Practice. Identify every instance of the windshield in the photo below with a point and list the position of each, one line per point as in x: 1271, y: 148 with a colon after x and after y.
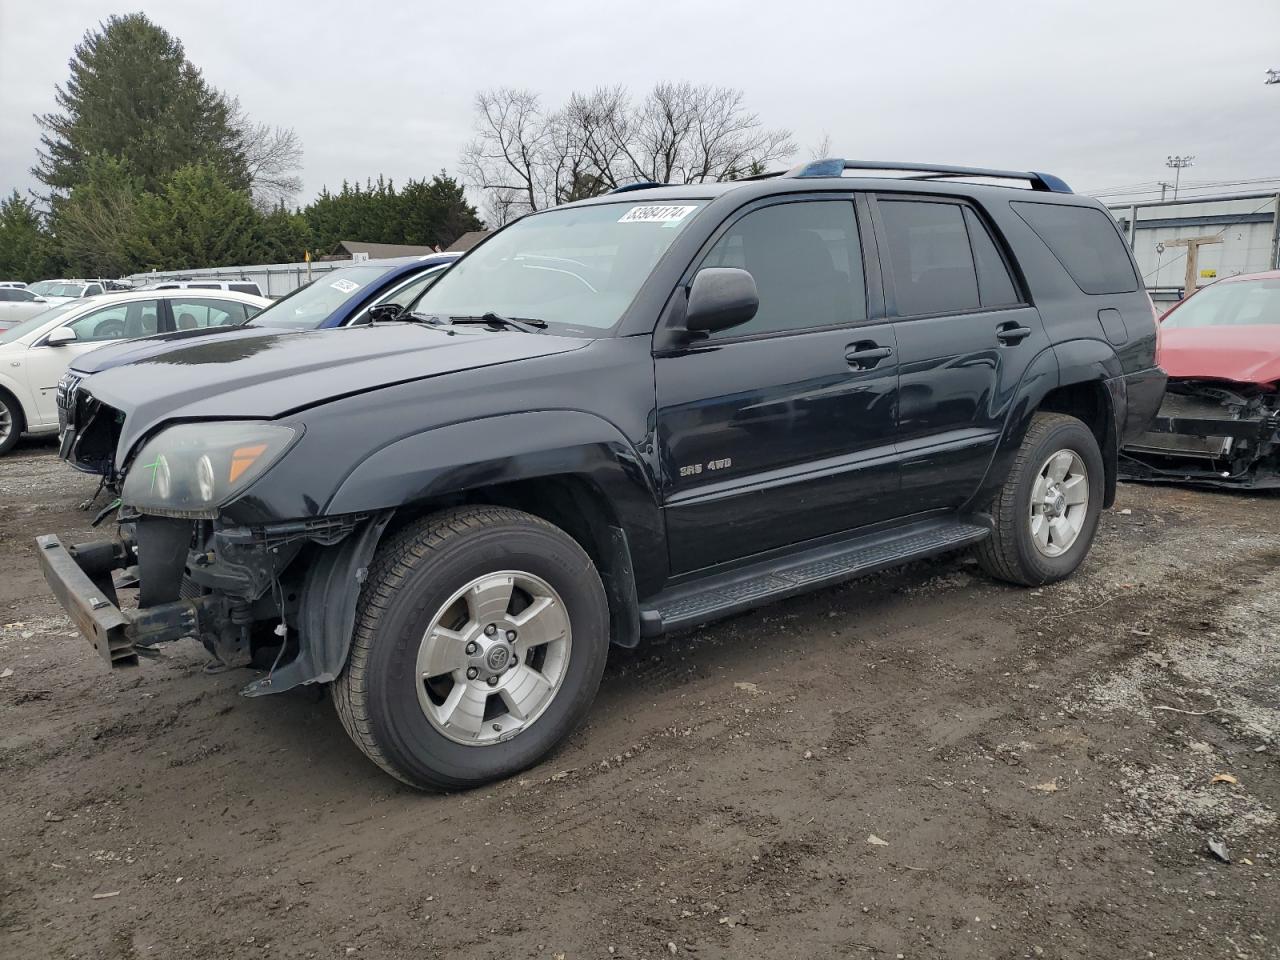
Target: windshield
x: 54, y: 288
x: 1245, y: 303
x: 311, y: 305
x: 580, y: 266
x: 38, y: 321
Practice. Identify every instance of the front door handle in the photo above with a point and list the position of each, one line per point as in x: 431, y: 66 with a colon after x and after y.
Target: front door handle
x: 1011, y: 333
x: 865, y: 354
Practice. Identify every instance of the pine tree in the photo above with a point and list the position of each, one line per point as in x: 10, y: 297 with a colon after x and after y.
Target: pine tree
x: 286, y: 236
x: 133, y: 94
x: 435, y: 212
x: 106, y: 226
x: 200, y: 220
x: 26, y: 249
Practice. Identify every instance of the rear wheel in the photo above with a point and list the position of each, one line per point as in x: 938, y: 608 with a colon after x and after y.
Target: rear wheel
x: 480, y: 640
x: 1046, y: 514
x: 11, y: 423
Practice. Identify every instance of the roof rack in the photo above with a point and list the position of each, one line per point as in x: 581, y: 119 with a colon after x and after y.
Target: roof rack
x: 834, y: 167
x: 638, y: 185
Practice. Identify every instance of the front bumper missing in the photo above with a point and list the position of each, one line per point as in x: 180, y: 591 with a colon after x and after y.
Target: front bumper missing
x: 81, y: 578
x: 1206, y: 451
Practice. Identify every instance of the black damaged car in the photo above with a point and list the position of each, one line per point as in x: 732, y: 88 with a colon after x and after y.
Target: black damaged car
x: 613, y: 419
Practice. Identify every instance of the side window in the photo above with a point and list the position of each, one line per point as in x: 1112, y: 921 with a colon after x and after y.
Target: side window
x: 24, y: 296
x: 204, y: 286
x: 92, y: 290
x: 995, y: 286
x: 119, y: 322
x: 245, y: 288
x: 408, y: 294
x: 199, y: 312
x: 933, y: 270
x: 1086, y: 242
x: 807, y: 262
x: 8, y: 296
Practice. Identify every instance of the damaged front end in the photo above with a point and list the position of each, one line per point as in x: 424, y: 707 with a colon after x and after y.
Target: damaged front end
x: 282, y: 592
x: 1210, y: 433
x: 286, y: 590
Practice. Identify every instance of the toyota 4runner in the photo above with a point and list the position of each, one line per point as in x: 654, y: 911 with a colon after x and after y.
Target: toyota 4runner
x: 625, y: 416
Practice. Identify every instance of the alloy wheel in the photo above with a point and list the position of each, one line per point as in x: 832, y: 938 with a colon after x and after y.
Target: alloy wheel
x: 493, y: 658
x: 1059, y: 503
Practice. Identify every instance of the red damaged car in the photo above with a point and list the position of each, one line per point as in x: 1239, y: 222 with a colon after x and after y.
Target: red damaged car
x: 1219, y: 424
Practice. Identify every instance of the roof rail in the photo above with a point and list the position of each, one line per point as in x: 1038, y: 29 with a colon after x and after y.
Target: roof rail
x: 834, y: 167
x: 638, y: 185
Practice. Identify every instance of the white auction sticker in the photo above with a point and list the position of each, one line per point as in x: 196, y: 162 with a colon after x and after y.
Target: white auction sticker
x: 346, y: 286
x: 658, y: 213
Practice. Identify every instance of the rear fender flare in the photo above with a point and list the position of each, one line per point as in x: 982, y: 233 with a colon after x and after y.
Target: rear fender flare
x: 1060, y: 365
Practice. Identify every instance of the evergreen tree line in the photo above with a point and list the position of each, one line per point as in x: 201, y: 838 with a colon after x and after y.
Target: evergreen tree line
x: 110, y: 225
x: 148, y: 166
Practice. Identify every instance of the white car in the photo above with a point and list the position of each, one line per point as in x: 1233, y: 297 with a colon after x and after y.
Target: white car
x: 16, y: 304
x: 60, y: 291
x: 35, y: 354
x: 241, y: 286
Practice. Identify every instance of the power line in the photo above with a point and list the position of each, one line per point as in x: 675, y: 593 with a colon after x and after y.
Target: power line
x: 1220, y: 233
x: 1192, y: 187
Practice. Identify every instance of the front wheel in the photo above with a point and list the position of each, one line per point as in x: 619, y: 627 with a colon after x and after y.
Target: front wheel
x: 480, y: 641
x: 1046, y: 514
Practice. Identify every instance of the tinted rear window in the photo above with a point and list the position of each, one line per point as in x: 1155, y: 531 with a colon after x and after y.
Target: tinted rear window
x: 933, y: 269
x: 994, y: 282
x: 1086, y: 243
x: 246, y: 288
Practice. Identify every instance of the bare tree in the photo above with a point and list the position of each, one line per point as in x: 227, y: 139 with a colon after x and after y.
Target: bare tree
x: 525, y: 157
x: 271, y: 157
x: 822, y: 149
x: 511, y: 152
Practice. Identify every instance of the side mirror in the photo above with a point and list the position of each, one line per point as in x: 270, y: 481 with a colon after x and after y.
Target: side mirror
x: 61, y: 337
x: 719, y: 298
x: 385, y: 312
x: 39, y: 300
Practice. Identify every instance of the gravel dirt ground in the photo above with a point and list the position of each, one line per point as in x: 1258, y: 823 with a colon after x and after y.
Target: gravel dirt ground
x: 920, y: 764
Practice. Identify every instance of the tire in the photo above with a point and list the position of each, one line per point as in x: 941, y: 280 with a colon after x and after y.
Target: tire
x: 12, y: 422
x: 1021, y: 551
x: 432, y: 590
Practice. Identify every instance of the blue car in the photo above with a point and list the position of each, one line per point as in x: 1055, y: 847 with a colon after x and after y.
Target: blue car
x: 336, y: 298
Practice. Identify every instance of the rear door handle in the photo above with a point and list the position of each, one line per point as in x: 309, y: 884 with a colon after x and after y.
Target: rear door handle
x: 1011, y: 333
x: 865, y: 354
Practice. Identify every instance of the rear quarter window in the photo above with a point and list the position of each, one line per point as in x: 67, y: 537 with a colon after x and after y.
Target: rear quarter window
x: 1087, y: 244
x: 246, y: 288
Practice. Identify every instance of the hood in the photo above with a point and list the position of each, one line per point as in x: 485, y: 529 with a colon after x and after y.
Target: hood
x: 131, y: 351
x: 264, y: 374
x: 1246, y: 354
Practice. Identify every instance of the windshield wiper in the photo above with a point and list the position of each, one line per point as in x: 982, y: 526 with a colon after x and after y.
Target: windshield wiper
x: 413, y: 316
x: 523, y: 324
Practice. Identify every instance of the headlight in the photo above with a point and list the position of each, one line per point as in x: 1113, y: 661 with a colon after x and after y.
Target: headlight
x: 191, y: 469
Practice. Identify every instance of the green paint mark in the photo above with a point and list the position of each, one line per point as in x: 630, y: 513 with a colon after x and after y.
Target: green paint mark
x: 153, y: 467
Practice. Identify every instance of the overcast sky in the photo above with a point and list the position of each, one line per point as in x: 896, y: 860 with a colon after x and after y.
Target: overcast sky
x: 1097, y: 92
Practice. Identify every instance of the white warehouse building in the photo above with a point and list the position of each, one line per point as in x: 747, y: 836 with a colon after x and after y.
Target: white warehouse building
x: 1234, y: 234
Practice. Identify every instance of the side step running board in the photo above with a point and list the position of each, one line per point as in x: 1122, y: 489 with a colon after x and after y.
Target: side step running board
x: 692, y: 604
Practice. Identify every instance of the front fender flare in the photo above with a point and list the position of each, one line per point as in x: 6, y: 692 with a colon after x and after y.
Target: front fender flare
x: 513, y: 447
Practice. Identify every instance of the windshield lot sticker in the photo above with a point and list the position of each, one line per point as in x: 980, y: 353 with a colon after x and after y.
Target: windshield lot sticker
x: 656, y: 214
x: 346, y: 286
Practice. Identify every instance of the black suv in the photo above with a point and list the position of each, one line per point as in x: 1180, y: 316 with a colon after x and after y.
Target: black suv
x: 620, y: 417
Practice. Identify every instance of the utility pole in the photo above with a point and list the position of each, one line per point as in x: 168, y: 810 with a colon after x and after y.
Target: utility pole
x: 1164, y: 185
x: 1193, y: 245
x: 1177, y: 164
